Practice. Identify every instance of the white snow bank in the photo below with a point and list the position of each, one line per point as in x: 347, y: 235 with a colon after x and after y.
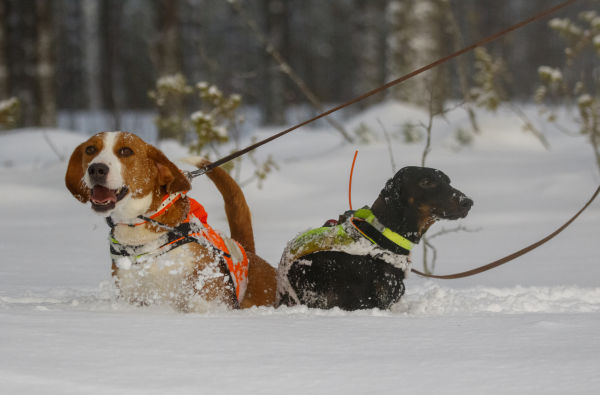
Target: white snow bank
x: 63, y: 333
x: 430, y: 299
x: 438, y: 300
x: 35, y: 148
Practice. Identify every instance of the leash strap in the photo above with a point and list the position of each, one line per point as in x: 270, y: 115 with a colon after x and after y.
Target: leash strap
x: 514, y: 255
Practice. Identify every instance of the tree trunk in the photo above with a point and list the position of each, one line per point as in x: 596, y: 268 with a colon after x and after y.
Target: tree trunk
x: 285, y: 68
x: 45, y: 63
x: 368, y: 47
x: 111, y: 30
x: 92, y: 54
x: 169, y: 54
x: 21, y: 42
x: 4, y: 73
x: 417, y: 31
x: 169, y: 63
x: 276, y: 29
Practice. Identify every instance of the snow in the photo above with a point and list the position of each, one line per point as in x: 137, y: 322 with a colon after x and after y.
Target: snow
x: 530, y: 326
x: 550, y: 73
x: 585, y: 100
x: 8, y: 103
x: 565, y: 25
x: 200, y: 116
x: 173, y: 82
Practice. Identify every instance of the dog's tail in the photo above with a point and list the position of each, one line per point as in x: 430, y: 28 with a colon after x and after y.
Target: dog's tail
x: 236, y: 208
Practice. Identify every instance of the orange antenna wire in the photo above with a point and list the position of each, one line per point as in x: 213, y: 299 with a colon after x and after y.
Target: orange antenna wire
x: 350, y: 183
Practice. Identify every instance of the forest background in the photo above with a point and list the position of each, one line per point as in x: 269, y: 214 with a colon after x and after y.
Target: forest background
x: 90, y: 64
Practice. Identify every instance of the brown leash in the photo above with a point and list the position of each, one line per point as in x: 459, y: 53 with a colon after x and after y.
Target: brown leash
x: 487, y: 40
x: 511, y: 256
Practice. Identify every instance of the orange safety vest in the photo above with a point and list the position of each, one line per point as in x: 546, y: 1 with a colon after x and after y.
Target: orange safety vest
x: 234, y: 254
x: 194, y: 228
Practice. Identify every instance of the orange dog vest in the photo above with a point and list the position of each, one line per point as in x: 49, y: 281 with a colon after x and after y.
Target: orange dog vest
x: 233, y: 252
x: 195, y: 228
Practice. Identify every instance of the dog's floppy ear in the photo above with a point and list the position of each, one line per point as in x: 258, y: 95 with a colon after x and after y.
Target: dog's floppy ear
x: 169, y: 175
x: 74, y: 176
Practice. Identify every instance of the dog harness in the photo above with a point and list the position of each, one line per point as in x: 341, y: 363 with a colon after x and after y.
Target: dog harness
x: 195, y: 229
x: 342, y: 234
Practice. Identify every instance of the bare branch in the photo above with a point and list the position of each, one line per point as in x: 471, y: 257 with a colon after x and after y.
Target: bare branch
x: 389, y: 145
x: 426, y: 247
x: 459, y: 228
x: 428, y: 128
x: 529, y: 125
x: 285, y: 68
x: 61, y: 157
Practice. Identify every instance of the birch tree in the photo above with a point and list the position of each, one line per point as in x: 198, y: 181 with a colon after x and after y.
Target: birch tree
x: 416, y: 39
x: 368, y: 45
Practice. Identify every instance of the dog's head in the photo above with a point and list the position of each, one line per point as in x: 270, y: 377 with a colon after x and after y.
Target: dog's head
x: 424, y: 194
x: 121, y: 175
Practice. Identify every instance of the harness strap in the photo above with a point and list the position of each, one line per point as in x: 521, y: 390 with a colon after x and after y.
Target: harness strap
x: 167, y: 202
x: 369, y: 226
x: 173, y: 241
x: 185, y: 234
x: 376, y: 237
x: 176, y: 236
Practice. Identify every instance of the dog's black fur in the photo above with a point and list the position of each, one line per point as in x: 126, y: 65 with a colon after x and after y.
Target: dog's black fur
x: 409, y: 203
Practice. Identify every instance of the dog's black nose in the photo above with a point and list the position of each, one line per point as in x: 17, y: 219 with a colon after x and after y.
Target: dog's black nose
x: 98, y: 173
x: 465, y: 203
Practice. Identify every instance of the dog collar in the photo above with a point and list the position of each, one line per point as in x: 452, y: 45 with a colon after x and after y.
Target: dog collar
x: 366, y: 215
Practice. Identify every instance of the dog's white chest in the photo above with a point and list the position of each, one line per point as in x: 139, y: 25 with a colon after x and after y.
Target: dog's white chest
x: 163, y: 279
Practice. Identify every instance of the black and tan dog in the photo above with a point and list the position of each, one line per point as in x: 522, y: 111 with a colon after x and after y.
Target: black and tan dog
x: 359, y: 261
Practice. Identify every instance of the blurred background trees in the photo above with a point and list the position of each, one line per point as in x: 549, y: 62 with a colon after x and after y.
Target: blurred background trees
x: 64, y: 58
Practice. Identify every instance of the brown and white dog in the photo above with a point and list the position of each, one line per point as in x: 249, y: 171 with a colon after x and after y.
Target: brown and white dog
x: 162, y: 249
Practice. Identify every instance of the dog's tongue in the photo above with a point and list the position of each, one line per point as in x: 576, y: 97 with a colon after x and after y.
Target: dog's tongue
x: 103, y: 195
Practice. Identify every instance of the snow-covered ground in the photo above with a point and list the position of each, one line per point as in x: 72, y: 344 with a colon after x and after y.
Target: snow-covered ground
x: 531, y: 326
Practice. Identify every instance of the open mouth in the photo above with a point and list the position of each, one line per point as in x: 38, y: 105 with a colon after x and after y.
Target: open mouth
x: 104, y: 199
x: 453, y: 214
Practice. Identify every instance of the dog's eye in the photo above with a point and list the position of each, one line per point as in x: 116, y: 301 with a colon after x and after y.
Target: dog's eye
x: 125, y: 152
x: 90, y: 150
x: 427, y: 183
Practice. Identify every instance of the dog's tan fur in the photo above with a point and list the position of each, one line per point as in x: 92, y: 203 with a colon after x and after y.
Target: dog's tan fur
x: 262, y: 277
